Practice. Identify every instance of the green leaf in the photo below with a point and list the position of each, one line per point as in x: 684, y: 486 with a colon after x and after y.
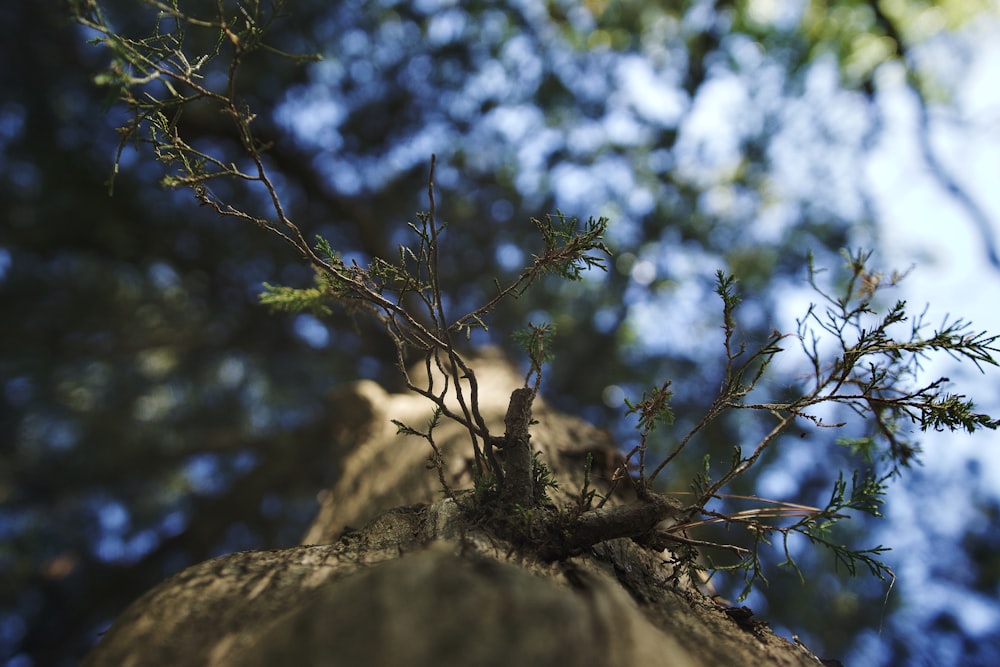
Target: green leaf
x: 294, y: 300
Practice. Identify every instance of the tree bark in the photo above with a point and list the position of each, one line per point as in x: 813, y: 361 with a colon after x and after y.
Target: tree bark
x: 518, y: 475
x: 425, y: 582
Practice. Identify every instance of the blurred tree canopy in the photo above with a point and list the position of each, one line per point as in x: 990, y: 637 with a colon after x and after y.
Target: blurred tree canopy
x: 154, y: 415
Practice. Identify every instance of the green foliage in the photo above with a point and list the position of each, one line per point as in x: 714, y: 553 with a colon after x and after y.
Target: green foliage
x: 295, y: 300
x: 867, y: 494
x: 536, y: 341
x: 653, y: 409
x: 873, y: 371
x: 568, y: 249
x: 543, y: 480
x: 585, y: 499
x: 879, y: 357
x: 157, y: 78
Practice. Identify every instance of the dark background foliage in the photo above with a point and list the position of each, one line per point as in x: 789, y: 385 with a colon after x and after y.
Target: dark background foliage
x: 154, y: 415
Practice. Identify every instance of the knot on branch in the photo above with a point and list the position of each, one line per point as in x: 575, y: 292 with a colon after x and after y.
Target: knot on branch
x: 518, y: 477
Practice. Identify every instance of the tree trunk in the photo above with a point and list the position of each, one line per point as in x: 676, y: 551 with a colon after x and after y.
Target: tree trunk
x: 424, y: 580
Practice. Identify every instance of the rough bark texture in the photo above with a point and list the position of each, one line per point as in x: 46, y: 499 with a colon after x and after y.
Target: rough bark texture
x: 517, y: 482
x: 425, y: 583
